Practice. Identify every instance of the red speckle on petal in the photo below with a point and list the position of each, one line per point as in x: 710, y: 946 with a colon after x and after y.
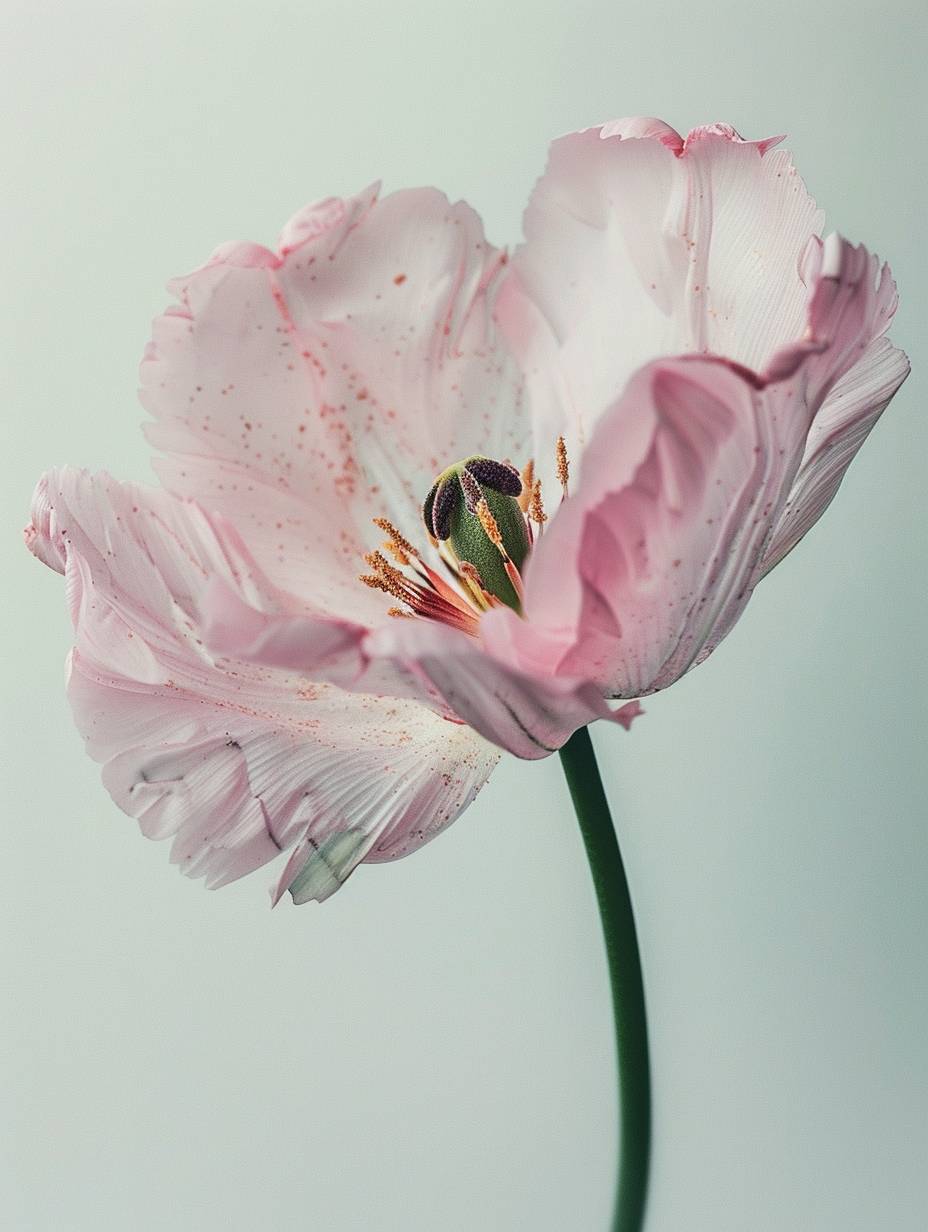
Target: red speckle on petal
x: 399, y: 279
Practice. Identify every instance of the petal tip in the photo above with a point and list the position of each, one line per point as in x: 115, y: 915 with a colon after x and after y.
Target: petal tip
x: 627, y: 714
x: 643, y: 128
x: 39, y: 533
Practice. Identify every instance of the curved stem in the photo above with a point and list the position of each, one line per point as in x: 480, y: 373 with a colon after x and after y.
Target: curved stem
x: 618, y: 921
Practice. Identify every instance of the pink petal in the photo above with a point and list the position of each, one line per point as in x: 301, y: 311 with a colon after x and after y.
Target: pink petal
x: 638, y: 568
x: 234, y: 763
x: 38, y: 532
x: 638, y: 246
x: 852, y: 379
x: 329, y: 651
x: 529, y: 715
x: 642, y: 128
x: 682, y: 500
x: 305, y: 392
x: 323, y: 647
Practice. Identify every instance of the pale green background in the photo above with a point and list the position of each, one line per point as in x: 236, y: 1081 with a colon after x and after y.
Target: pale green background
x: 431, y: 1049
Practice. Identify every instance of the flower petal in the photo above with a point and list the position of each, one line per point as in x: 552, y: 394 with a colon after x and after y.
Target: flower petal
x: 633, y: 575
x: 235, y: 763
x: 683, y: 491
x: 306, y: 391
x: 640, y: 245
x: 854, y: 380
x: 528, y: 714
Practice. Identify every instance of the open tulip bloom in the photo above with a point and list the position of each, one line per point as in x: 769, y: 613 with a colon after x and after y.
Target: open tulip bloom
x: 423, y: 502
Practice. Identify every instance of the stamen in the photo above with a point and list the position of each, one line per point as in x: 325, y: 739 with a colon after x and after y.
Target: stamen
x: 376, y: 583
x: 472, y: 579
x: 379, y: 563
x: 381, y: 581
x: 438, y: 508
x: 536, y: 509
x: 515, y: 579
x: 397, y: 553
x: 500, y: 476
x: 398, y: 540
x: 563, y: 466
x: 471, y: 489
x: 490, y: 527
x: 445, y: 606
x: 491, y: 530
x: 399, y: 612
x: 528, y: 485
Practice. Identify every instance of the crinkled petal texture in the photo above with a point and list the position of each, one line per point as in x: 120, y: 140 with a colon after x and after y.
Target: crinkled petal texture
x: 704, y: 472
x: 235, y: 763
x: 305, y: 391
x: 641, y: 244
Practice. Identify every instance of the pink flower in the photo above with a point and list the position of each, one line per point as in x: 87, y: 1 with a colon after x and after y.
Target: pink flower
x: 673, y: 327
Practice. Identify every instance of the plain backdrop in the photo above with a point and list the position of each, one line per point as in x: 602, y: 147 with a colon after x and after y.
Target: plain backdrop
x: 431, y: 1049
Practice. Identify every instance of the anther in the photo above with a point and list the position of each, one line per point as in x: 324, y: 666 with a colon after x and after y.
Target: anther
x: 563, y: 466
x: 490, y: 525
x: 473, y: 497
x: 439, y: 508
x: 500, y: 476
x: 375, y: 583
x: 528, y: 485
x: 491, y: 530
x: 379, y: 563
x: 397, y: 552
x: 397, y: 540
x: 536, y: 509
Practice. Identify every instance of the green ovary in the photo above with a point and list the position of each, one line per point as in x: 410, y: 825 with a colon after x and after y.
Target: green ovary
x: 470, y: 542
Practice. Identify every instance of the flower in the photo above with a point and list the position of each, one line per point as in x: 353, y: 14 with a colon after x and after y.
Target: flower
x: 559, y: 478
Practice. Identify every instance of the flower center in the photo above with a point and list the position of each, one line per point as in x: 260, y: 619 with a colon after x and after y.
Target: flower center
x: 482, y: 518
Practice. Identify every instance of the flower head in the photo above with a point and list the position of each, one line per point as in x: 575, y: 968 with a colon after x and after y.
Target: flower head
x: 421, y: 503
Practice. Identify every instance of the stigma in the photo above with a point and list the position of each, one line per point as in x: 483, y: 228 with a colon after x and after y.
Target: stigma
x: 481, y: 518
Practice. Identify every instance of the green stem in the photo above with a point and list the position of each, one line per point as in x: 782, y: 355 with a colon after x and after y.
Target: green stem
x: 618, y: 921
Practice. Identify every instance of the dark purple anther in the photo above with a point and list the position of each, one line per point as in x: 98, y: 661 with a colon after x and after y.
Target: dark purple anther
x: 438, y: 508
x: 471, y: 489
x: 499, y: 476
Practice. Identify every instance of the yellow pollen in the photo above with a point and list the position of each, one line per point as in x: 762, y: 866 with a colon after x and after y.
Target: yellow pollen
x: 490, y: 527
x: 398, y: 612
x: 563, y: 466
x: 397, y: 540
x: 397, y: 552
x: 528, y: 483
x: 536, y: 509
x: 375, y: 583
x: 379, y: 563
x: 388, y: 579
